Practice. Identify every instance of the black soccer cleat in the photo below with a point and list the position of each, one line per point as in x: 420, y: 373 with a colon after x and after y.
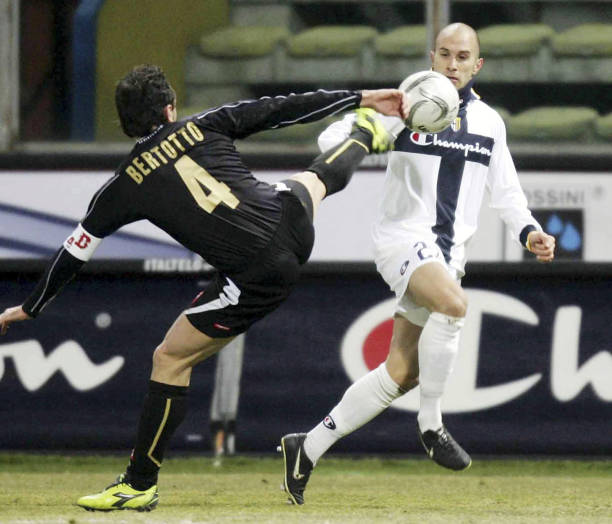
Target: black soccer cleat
x: 297, y: 466
x: 442, y: 448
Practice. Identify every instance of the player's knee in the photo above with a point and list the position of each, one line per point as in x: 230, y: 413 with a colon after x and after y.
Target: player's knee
x: 453, y: 304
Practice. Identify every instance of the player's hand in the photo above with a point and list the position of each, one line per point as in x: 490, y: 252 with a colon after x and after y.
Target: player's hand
x: 541, y: 245
x: 10, y: 315
x: 391, y: 102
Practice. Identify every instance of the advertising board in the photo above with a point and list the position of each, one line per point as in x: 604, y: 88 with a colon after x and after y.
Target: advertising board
x: 38, y: 211
x: 533, y: 375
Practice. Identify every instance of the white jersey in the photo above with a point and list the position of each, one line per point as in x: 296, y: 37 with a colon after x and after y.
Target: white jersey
x: 435, y: 183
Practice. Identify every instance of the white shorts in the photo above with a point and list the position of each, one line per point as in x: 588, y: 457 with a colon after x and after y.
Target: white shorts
x: 397, y: 263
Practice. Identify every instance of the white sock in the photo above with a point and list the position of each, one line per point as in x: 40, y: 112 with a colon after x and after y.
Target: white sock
x: 362, y: 401
x: 438, y: 347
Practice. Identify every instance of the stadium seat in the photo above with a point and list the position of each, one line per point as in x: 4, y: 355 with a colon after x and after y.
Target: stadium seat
x: 235, y: 55
x: 574, y: 124
x: 515, y: 52
x: 504, y: 113
x: 603, y: 127
x: 401, y: 52
x: 328, y: 54
x: 200, y: 98
x: 305, y: 134
x: 584, y: 51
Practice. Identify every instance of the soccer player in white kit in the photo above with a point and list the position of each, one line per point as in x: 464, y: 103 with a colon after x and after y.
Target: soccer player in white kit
x: 433, y: 192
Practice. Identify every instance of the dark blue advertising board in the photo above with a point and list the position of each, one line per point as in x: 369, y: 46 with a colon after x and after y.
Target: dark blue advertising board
x: 534, y: 375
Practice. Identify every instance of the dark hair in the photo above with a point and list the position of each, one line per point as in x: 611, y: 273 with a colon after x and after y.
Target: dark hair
x: 140, y: 97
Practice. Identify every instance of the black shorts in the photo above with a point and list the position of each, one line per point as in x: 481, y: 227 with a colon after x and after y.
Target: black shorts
x: 231, y: 303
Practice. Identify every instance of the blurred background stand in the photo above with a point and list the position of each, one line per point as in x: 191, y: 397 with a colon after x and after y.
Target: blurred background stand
x: 224, y: 403
x: 9, y: 79
x: 437, y: 16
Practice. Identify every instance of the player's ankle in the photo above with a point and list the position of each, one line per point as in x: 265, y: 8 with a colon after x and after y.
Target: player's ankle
x: 363, y: 137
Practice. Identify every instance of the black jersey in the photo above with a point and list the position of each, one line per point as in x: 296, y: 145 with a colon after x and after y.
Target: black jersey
x: 188, y: 179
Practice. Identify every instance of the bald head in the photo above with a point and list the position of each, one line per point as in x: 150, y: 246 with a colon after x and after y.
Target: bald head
x: 457, y: 53
x: 460, y: 32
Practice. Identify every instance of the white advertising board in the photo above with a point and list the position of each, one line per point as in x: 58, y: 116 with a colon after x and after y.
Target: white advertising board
x: 39, y: 209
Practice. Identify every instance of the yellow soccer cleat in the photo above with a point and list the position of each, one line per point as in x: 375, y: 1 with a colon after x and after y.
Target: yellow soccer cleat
x: 120, y: 495
x: 366, y: 119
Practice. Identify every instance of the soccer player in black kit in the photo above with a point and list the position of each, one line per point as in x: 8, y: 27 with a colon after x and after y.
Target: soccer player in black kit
x: 187, y: 178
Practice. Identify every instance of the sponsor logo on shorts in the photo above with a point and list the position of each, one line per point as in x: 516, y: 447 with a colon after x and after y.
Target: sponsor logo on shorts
x: 329, y: 423
x: 220, y: 326
x: 404, y: 267
x: 197, y: 297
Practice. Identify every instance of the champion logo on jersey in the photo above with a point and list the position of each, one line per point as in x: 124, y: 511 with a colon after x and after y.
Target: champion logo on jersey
x: 404, y: 267
x: 456, y: 125
x: 420, y: 139
x: 467, y: 147
x: 329, y: 423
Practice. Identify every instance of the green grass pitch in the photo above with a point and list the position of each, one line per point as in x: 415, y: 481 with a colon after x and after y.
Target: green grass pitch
x: 44, y: 488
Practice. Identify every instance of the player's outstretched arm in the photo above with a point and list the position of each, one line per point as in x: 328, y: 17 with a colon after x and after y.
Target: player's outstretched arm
x: 10, y: 315
x: 390, y: 102
x: 541, y: 245
x: 241, y: 119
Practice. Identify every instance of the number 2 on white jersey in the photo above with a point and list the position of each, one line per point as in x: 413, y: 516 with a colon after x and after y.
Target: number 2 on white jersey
x: 195, y: 176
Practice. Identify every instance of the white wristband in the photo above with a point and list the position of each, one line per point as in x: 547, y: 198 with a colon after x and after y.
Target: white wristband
x: 81, y: 244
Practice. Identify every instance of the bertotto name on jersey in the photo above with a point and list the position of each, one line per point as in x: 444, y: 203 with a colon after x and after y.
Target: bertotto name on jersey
x: 169, y: 149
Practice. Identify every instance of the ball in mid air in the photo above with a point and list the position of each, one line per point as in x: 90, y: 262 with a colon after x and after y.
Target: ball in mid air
x: 433, y: 101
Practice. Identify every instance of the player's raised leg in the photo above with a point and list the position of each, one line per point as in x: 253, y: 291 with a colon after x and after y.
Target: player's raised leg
x: 332, y: 170
x: 164, y: 409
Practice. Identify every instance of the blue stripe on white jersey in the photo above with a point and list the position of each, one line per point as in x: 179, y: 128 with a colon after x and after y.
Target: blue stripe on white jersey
x: 454, y: 148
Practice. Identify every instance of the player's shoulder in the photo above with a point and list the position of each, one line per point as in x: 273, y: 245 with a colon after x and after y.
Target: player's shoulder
x: 481, y: 108
x: 485, y: 116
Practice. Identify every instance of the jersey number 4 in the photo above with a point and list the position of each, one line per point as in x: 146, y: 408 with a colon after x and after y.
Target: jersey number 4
x: 196, y: 178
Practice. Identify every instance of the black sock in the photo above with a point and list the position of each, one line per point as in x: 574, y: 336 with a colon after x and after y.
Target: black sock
x: 336, y: 166
x: 164, y: 409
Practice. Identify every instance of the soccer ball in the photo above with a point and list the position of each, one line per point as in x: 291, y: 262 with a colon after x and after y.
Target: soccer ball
x: 433, y: 99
